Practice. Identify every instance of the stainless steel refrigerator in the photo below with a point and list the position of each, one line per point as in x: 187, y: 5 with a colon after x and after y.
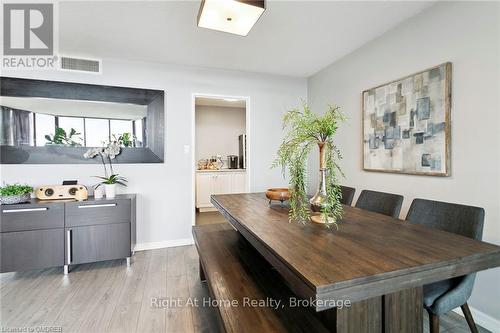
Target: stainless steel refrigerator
x: 243, y: 151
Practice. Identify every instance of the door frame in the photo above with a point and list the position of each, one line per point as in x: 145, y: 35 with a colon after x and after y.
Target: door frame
x: 193, y: 144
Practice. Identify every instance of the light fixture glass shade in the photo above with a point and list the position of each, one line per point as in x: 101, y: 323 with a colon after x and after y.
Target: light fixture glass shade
x: 235, y: 17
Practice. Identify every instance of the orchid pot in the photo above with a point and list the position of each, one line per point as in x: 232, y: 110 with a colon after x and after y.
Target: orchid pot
x: 110, y: 190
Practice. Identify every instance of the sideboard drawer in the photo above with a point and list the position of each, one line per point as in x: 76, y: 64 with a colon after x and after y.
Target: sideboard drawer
x: 98, y: 212
x: 31, y: 217
x: 24, y: 250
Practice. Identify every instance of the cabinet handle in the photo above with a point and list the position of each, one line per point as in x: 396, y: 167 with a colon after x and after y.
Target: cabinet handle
x: 97, y: 206
x: 24, y: 210
x: 69, y: 233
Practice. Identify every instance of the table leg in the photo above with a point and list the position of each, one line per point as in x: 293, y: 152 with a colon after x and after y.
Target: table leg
x: 404, y: 311
x: 401, y: 311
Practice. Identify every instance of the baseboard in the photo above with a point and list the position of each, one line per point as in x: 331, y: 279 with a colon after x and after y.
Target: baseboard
x: 207, y: 209
x: 164, y: 244
x: 482, y: 319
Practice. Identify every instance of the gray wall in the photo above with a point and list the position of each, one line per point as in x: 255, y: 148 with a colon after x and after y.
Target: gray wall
x: 468, y: 35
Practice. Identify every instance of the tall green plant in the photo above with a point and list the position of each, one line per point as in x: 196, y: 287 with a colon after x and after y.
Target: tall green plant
x: 305, y: 130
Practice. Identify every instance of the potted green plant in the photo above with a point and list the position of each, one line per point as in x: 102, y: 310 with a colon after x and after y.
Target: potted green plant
x: 110, y: 180
x: 305, y: 131
x: 15, y: 193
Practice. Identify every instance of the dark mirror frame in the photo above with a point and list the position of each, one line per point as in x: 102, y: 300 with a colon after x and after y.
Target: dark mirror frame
x: 155, y: 120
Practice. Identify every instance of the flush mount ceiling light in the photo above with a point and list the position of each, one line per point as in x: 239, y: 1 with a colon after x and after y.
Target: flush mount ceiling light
x: 235, y: 17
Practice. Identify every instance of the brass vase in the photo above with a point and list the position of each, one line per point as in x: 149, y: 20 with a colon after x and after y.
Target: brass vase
x: 319, y: 200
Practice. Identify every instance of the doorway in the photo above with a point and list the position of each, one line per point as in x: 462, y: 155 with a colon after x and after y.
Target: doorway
x: 220, y: 152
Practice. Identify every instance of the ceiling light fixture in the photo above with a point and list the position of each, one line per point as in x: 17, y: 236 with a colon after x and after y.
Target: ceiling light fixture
x: 231, y: 99
x: 232, y: 16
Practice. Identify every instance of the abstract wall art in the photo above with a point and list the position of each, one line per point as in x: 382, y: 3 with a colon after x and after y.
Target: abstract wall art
x: 406, y: 124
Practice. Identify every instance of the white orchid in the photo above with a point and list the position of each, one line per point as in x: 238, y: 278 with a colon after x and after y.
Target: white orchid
x: 112, y: 150
x: 92, y: 152
x: 109, y: 152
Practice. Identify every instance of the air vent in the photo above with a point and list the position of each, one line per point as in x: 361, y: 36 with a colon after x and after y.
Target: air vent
x: 82, y: 65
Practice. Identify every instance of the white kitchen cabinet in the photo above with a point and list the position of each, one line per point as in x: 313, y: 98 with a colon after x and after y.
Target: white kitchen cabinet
x: 222, y: 184
x: 204, y: 188
x: 238, y: 182
x: 217, y: 182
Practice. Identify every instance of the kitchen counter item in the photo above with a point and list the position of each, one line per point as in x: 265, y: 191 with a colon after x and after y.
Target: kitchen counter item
x: 232, y: 161
x: 221, y: 170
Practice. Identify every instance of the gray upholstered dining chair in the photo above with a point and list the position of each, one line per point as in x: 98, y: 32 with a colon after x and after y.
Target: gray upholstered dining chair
x: 347, y: 194
x: 443, y: 296
x: 380, y: 202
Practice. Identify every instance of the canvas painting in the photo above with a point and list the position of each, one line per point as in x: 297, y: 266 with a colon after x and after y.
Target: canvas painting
x: 406, y: 124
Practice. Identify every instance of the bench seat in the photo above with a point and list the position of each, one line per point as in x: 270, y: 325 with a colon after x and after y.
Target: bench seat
x: 235, y: 271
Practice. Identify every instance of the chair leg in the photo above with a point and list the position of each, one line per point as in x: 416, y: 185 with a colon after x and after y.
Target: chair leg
x: 468, y: 317
x: 433, y: 323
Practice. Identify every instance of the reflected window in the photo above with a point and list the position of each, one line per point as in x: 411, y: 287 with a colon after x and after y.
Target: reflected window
x: 68, y: 123
x: 122, y: 130
x: 44, y: 125
x: 139, y: 130
x: 96, y: 132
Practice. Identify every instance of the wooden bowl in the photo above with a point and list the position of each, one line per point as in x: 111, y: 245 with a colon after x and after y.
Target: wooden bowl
x: 278, y: 194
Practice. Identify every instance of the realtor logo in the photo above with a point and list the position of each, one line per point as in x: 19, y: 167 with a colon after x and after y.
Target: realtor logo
x: 29, y: 36
x: 28, y: 29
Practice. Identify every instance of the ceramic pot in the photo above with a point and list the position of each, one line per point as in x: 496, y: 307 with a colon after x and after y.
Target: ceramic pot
x: 110, y: 190
x: 15, y: 199
x: 99, y: 192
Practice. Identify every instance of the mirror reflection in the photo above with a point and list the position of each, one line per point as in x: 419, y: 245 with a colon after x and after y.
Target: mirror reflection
x: 74, y: 123
x: 55, y: 122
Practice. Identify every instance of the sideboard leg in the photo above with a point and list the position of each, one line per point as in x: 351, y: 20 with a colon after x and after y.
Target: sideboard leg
x: 66, y: 269
x: 128, y: 261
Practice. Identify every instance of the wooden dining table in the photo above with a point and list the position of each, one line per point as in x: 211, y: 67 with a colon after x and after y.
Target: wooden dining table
x: 375, y: 263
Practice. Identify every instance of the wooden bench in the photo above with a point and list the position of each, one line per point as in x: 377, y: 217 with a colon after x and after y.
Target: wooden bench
x: 236, y: 272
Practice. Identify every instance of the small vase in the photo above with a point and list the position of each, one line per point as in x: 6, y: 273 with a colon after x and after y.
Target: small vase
x: 98, y: 193
x: 110, y: 190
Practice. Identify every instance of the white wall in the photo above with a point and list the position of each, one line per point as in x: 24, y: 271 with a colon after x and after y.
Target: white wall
x: 217, y: 130
x: 468, y: 35
x: 165, y: 190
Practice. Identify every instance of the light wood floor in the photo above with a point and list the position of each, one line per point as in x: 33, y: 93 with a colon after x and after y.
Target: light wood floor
x: 109, y: 297
x: 209, y: 218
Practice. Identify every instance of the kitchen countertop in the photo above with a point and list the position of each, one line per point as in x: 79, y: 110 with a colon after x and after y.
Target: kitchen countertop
x: 223, y: 170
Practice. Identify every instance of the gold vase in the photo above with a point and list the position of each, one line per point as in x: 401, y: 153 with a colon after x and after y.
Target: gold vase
x: 319, y: 200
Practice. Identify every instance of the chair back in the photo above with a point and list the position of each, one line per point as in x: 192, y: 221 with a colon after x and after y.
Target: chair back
x: 458, y: 219
x: 347, y: 194
x: 380, y: 202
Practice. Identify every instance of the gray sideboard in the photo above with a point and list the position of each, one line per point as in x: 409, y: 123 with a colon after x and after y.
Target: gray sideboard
x: 42, y: 234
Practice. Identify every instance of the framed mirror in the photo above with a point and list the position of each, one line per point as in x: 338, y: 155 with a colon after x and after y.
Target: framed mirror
x: 50, y: 122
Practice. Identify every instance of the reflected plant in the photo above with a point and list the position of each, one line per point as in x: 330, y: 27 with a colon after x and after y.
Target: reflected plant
x: 60, y: 137
x: 125, y: 139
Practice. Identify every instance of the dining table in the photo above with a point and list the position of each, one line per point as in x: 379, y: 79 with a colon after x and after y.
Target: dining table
x: 372, y: 264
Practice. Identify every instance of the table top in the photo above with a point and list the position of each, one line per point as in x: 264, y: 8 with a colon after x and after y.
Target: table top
x: 369, y: 255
